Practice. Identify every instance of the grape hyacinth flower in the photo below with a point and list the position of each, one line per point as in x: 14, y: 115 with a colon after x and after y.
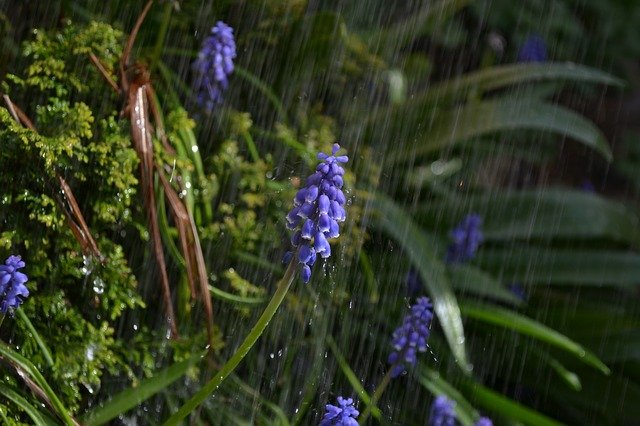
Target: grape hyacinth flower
x: 411, y: 337
x: 534, y: 49
x: 344, y: 414
x: 442, y: 412
x: 483, y: 421
x: 467, y: 237
x: 214, y: 65
x: 12, y: 288
x: 318, y: 207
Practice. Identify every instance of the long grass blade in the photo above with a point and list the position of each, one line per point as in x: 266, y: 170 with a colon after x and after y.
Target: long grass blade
x: 134, y: 396
x: 36, y: 416
x: 514, y: 321
x: 34, y: 379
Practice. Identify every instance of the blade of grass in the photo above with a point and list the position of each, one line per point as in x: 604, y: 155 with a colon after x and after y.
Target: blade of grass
x: 134, y: 396
x: 26, y: 367
x: 352, y: 378
x: 223, y: 295
x: 475, y: 119
x: 38, y: 418
x: 514, y: 321
x: 513, y: 74
x: 506, y: 407
x: 433, y: 382
x: 36, y: 336
x: 228, y: 368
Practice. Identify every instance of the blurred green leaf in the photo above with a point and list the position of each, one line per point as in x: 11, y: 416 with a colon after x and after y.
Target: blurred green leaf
x: 430, y: 379
x: 507, y: 407
x: 514, y: 321
x: 26, y: 367
x: 507, y: 75
x: 475, y: 119
x: 542, y: 265
x: 541, y: 214
x: 38, y: 418
x: 470, y: 279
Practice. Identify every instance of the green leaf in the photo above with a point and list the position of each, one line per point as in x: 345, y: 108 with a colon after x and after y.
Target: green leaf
x: 353, y: 379
x: 506, y: 407
x: 473, y: 280
x: 432, y: 270
x: 134, y: 396
x: 512, y: 74
x: 541, y: 214
x: 29, y: 369
x: 233, y: 298
x: 38, y: 418
x: 476, y: 119
x: 36, y: 336
x: 558, y: 213
x: 542, y: 265
x: 569, y: 377
x: 514, y: 321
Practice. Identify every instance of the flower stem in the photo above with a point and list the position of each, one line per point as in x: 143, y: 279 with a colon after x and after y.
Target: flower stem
x: 255, y: 333
x: 376, y: 396
x: 36, y: 336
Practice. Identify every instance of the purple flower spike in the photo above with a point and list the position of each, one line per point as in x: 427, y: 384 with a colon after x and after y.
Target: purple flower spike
x: 318, y: 207
x: 214, y: 65
x: 467, y: 237
x: 411, y: 337
x: 343, y: 414
x: 12, y: 288
x: 442, y: 412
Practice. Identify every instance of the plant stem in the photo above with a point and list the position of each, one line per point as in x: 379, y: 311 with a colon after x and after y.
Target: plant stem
x: 43, y: 347
x: 255, y: 333
x: 162, y: 33
x: 353, y: 379
x: 376, y: 396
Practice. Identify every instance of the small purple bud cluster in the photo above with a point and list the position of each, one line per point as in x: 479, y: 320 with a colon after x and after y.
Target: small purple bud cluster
x: 344, y: 414
x: 411, y: 337
x: 318, y: 207
x: 12, y: 288
x: 467, y: 237
x: 442, y: 412
x: 483, y: 421
x: 214, y: 65
x: 534, y: 49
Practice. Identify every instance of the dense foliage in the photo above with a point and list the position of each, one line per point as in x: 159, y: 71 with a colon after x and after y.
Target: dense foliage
x: 489, y: 186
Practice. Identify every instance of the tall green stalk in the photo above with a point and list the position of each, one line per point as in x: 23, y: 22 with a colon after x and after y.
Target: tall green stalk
x: 255, y: 333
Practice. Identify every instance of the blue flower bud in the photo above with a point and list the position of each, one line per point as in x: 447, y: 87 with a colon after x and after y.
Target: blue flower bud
x: 466, y: 239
